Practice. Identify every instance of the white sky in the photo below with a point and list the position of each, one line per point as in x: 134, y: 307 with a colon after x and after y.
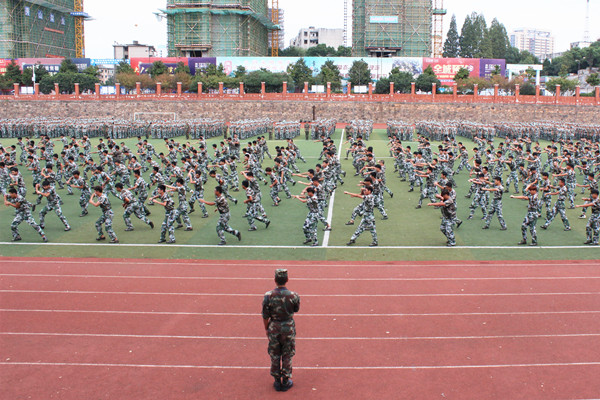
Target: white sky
x: 123, y: 21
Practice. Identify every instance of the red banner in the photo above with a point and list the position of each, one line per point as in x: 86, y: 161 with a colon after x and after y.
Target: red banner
x: 446, y: 68
x: 142, y: 64
x: 3, y: 64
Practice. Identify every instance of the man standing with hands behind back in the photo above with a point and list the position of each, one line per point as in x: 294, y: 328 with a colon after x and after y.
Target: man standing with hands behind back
x: 278, y: 308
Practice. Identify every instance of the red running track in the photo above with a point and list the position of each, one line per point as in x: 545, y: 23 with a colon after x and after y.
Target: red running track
x: 157, y: 329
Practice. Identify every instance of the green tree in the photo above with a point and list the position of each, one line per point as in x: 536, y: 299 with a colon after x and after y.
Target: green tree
x: 452, y: 43
x: 593, y: 80
x: 92, y: 70
x: 321, y: 50
x: 157, y: 68
x: 127, y: 80
x: 463, y: 73
x: 181, y: 68
x: 27, y: 77
x: 426, y: 79
x: 343, y: 51
x: 402, y: 80
x: 13, y: 72
x: 566, y: 85
x: 359, y: 73
x: 300, y: 73
x: 383, y: 86
x: 292, y: 52
x: 273, y: 81
x: 123, y: 67
x: 472, y: 36
x: 240, y: 71
x: 68, y: 67
x: 498, y: 39
x: 330, y: 73
x: 527, y: 89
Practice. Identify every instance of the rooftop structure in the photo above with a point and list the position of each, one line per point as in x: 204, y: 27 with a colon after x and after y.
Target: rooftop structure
x: 538, y: 43
x: 311, y: 37
x: 133, y: 50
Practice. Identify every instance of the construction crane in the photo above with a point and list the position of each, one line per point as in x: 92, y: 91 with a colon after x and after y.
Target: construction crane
x: 275, y: 33
x: 438, y: 27
x: 346, y: 23
x: 586, y: 33
x: 80, y: 16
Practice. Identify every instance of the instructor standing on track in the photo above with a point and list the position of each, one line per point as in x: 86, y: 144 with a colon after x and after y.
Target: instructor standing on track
x: 278, y: 308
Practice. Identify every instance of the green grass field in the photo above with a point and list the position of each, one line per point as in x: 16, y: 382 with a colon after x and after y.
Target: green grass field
x: 409, y: 234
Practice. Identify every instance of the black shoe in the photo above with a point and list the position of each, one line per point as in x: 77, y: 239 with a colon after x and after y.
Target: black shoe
x: 222, y: 243
x: 374, y: 244
x: 523, y: 242
x: 417, y: 207
x: 503, y: 228
x: 267, y: 224
x: 33, y: 208
x: 277, y: 385
x: 315, y: 244
x: 148, y: 213
x: 350, y: 222
x: 151, y: 225
x: 351, y: 242
x: 458, y: 224
x: 486, y: 227
x: 327, y: 228
x: 411, y: 190
x: 392, y: 195
x: 128, y: 229
x: 235, y: 201
x: 170, y: 241
x: 67, y: 228
x: 252, y: 229
x: 239, y: 235
x: 307, y: 241
x: 544, y: 227
x: 162, y: 241
x: 44, y: 239
x: 587, y: 242
x: 115, y: 240
x: 470, y: 217
x: 286, y: 385
x: 17, y: 238
x: 99, y: 238
x: 179, y: 226
x: 205, y: 216
x: 533, y: 244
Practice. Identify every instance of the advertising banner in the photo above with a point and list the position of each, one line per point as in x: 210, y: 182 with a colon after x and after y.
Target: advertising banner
x: 3, y: 64
x: 446, y: 68
x: 141, y: 65
x: 273, y: 64
x: 383, y: 19
x: 52, y: 65
x: 82, y: 63
x: 199, y: 65
x: 487, y: 66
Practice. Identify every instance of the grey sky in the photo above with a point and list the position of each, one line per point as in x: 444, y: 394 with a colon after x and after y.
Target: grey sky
x: 126, y: 20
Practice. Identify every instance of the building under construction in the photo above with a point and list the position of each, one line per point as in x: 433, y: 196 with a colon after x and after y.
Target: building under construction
x: 41, y: 28
x: 387, y: 28
x: 210, y: 28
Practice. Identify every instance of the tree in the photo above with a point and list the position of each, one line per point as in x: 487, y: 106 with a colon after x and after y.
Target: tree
x: 472, y: 36
x: 68, y: 67
x: 167, y: 81
x: 292, y: 52
x: 124, y: 68
x: 127, y: 80
x: 27, y: 77
x: 426, y: 79
x: 13, y: 72
x: 92, y: 70
x: 343, y: 51
x: 300, y: 73
x: 321, y: 50
x: 593, y: 80
x: 498, y: 39
x: 273, y: 81
x: 157, y: 68
x: 382, y: 86
x: 240, y: 71
x: 402, y: 80
x: 566, y: 85
x: 181, y: 68
x: 330, y: 73
x: 463, y: 73
x: 527, y: 89
x: 359, y: 73
x: 452, y: 43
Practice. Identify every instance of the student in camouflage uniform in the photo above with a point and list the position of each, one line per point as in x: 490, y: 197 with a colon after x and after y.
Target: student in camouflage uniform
x: 181, y: 213
x: 496, y: 206
x: 76, y: 182
x: 195, y: 179
x: 530, y: 220
x: 559, y: 206
x: 53, y: 203
x: 278, y: 308
x: 168, y: 224
x: 275, y: 186
x: 448, y: 207
x: 223, y: 208
x: 312, y: 218
x: 131, y: 206
x: 593, y: 226
x: 106, y: 217
x: 368, y: 220
x: 252, y: 211
x: 22, y: 213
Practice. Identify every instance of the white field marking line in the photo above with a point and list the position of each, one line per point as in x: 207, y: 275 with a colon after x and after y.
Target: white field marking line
x: 210, y: 246
x: 262, y: 338
x: 300, y: 316
x: 270, y: 264
x: 221, y: 278
x: 241, y: 367
x: 332, y: 199
x: 303, y: 295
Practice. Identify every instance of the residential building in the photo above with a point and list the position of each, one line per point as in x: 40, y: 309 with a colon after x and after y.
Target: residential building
x: 133, y: 50
x: 311, y: 37
x: 539, y: 43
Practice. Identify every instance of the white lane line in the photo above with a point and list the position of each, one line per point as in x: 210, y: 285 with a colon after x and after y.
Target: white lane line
x: 243, y: 367
x: 253, y: 315
x: 303, y: 295
x: 296, y: 279
x: 262, y: 247
x: 262, y: 338
x: 294, y: 264
x: 332, y: 200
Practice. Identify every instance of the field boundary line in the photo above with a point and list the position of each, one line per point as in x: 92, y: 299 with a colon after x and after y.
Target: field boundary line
x: 332, y: 200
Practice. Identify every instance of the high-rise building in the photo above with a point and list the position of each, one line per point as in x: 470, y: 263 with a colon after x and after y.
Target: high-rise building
x: 311, y: 37
x: 133, y: 50
x: 38, y: 29
x: 538, y: 43
x: 210, y: 28
x: 385, y: 28
x: 281, y: 32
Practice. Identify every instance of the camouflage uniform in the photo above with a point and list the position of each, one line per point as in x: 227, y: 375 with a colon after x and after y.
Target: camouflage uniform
x: 559, y: 208
x: 181, y: 214
x: 368, y: 220
x: 132, y: 206
x: 496, y: 207
x: 312, y: 219
x: 169, y: 221
x: 106, y: 217
x: 23, y: 213
x: 253, y: 211
x: 223, y: 224
x: 86, y: 193
x: 448, y: 217
x: 592, y: 229
x: 279, y: 306
x: 531, y: 218
x: 53, y: 204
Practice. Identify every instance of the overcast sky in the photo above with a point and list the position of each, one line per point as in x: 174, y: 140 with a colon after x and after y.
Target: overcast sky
x: 123, y: 21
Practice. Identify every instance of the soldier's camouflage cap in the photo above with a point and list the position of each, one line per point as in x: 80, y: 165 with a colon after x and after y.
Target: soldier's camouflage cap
x: 281, y: 273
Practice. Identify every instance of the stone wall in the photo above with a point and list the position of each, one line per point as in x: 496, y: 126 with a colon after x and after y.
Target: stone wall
x: 380, y: 112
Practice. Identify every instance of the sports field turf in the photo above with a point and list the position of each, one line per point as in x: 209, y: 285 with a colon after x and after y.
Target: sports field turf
x: 409, y: 234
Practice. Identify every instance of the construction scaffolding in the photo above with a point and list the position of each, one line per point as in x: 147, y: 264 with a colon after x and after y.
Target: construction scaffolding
x: 386, y: 28
x: 210, y: 28
x: 438, y: 27
x: 37, y: 29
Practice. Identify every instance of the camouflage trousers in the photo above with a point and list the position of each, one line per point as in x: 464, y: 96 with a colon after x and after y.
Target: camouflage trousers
x: 479, y: 200
x: 379, y: 204
x: 168, y: 225
x: 196, y: 195
x: 274, y: 193
x: 529, y: 223
x: 495, y: 208
x: 447, y: 229
x: 84, y: 200
x: 427, y: 192
x: 463, y: 164
x: 310, y: 226
x: 181, y: 214
x: 547, y: 202
x: 137, y: 210
x: 253, y: 213
x: 358, y: 210
x: 514, y: 178
x: 223, y: 226
x: 56, y: 207
x: 366, y: 224
x: 592, y: 229
x: 142, y: 197
x: 571, y: 194
x: 106, y: 218
x: 282, y: 347
x: 559, y: 208
x: 24, y: 216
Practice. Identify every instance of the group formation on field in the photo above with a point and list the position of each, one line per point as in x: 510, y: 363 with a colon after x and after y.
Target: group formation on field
x: 141, y: 177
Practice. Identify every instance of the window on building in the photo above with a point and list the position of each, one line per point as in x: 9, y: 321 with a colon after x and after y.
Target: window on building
x: 27, y: 11
x: 40, y: 14
x: 51, y: 17
x: 305, y: 33
x: 62, y: 20
x: 306, y: 42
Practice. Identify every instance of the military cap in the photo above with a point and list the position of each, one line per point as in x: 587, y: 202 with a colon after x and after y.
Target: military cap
x: 281, y: 273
